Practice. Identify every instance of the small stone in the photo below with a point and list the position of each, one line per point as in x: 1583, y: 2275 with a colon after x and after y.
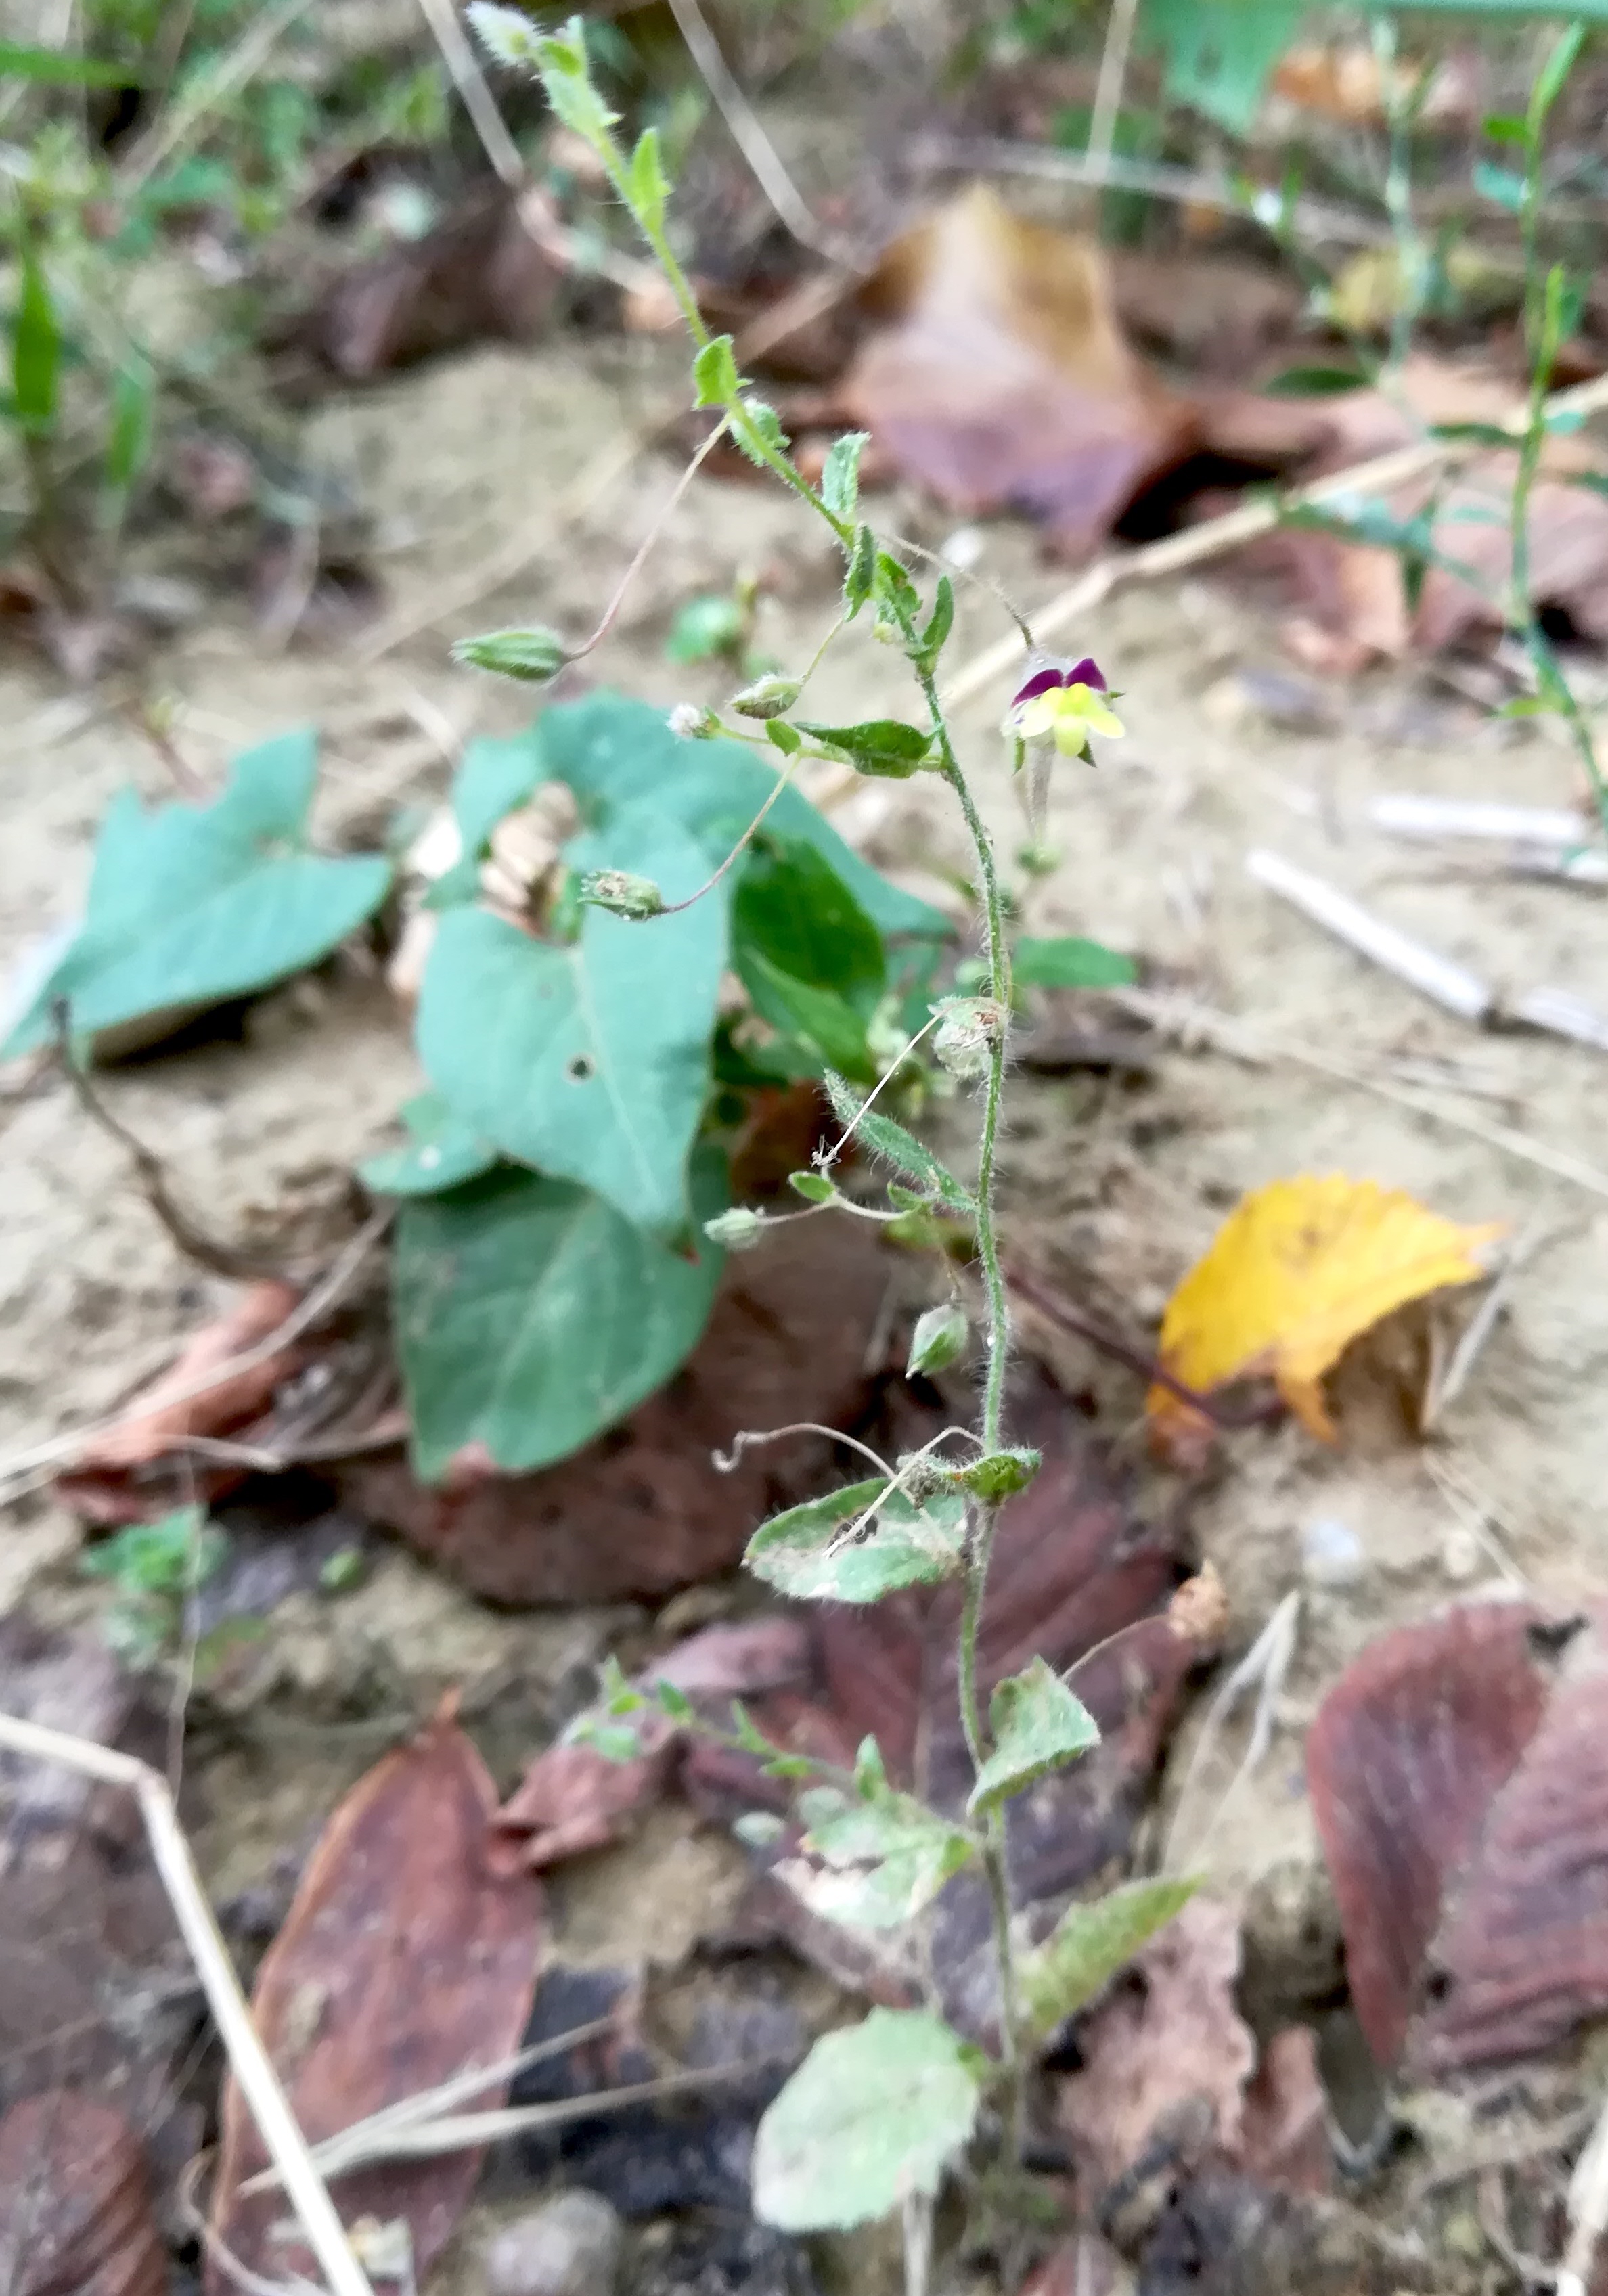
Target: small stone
x: 1331, y: 1553
x: 570, y: 2247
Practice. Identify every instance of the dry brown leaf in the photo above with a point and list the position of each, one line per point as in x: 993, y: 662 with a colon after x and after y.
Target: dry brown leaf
x: 409, y: 1955
x: 74, y: 2203
x: 1000, y: 379
x: 165, y: 1413
x: 1166, y: 2055
x: 1296, y: 1272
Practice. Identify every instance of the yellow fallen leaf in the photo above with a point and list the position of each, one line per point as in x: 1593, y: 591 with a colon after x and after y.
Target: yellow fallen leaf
x: 1295, y: 1272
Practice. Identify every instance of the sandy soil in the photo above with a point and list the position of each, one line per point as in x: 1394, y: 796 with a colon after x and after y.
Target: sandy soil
x: 1111, y: 1186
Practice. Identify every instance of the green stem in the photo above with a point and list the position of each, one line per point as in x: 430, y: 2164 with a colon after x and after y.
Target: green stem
x: 985, y: 1520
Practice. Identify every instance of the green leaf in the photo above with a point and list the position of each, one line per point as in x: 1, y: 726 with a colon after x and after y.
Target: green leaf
x: 1065, y: 962
x: 785, y: 737
x: 875, y: 2112
x: 530, y: 1316
x: 561, y: 60
x: 841, y: 478
x: 819, y: 1029
x: 1314, y: 381
x: 1039, y: 1727
x: 532, y: 656
x: 884, y: 1857
x: 616, y: 753
x: 881, y: 746
x: 862, y: 571
x: 896, y: 1146
x: 60, y: 68
x: 1504, y: 128
x: 815, y: 1187
x: 1089, y: 1945
x: 442, y: 1151
x: 589, y: 1060
x: 940, y: 1338
x: 1220, y: 53
x: 36, y: 350
x: 1503, y: 186
x: 646, y: 183
x: 940, y: 622
x: 128, y: 441
x: 715, y: 374
x: 1551, y: 79
x: 792, y: 907
x: 808, y: 1552
x: 191, y: 905
x: 704, y: 629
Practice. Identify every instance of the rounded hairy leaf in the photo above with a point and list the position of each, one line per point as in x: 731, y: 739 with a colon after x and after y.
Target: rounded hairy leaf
x: 875, y: 2111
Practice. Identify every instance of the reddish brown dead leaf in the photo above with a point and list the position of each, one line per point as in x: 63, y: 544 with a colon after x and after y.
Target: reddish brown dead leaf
x: 1083, y: 2266
x: 74, y: 2203
x: 1224, y: 2233
x: 1403, y: 1761
x: 1285, y: 2125
x: 165, y: 1413
x: 999, y: 377
x: 573, y: 1799
x: 643, y: 1511
x: 1166, y: 2055
x: 479, y: 276
x: 1521, y: 1957
x: 410, y: 1954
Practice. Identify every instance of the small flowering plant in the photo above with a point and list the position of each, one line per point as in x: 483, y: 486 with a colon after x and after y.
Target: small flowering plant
x: 871, y: 1854
x: 1069, y: 701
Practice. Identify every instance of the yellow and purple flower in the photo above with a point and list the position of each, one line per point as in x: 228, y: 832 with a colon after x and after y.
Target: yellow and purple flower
x: 1067, y: 700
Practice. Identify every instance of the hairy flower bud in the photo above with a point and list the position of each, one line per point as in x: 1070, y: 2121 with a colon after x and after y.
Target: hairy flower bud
x: 622, y: 894
x: 939, y: 1339
x: 966, y: 1037
x: 692, y: 721
x: 737, y: 1230
x: 766, y: 697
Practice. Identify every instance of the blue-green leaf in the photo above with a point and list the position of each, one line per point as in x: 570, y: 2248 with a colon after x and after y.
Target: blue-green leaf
x: 442, y: 1151
x: 191, y: 905
x: 589, y: 1060
x: 616, y: 753
x: 530, y: 1316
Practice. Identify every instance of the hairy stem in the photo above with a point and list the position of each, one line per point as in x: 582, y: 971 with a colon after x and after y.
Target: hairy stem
x: 985, y: 1521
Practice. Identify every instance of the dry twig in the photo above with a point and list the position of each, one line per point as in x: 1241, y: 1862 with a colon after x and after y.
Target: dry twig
x: 1196, y: 544
x: 248, y: 2061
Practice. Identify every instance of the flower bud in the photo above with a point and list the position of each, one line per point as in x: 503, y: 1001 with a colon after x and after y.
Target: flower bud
x: 737, y: 1230
x: 766, y: 697
x: 692, y: 721
x: 939, y: 1339
x: 622, y: 894
x: 532, y: 656
x: 967, y: 1037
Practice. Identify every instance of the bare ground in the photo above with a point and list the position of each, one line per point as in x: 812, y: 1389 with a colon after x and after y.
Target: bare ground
x: 1113, y: 1186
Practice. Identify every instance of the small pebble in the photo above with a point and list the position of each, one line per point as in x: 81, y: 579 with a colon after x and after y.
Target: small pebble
x: 1331, y: 1553
x: 568, y: 2247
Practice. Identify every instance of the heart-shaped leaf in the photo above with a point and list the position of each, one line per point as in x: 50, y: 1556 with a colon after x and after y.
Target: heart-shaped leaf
x: 530, y: 1316
x: 591, y: 1060
x: 442, y: 1151
x: 191, y: 905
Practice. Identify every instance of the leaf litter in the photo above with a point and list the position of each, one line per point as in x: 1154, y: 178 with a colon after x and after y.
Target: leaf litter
x: 410, y: 1955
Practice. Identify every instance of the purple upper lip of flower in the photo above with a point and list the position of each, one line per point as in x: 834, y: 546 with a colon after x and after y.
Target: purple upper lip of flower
x: 1060, y: 672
